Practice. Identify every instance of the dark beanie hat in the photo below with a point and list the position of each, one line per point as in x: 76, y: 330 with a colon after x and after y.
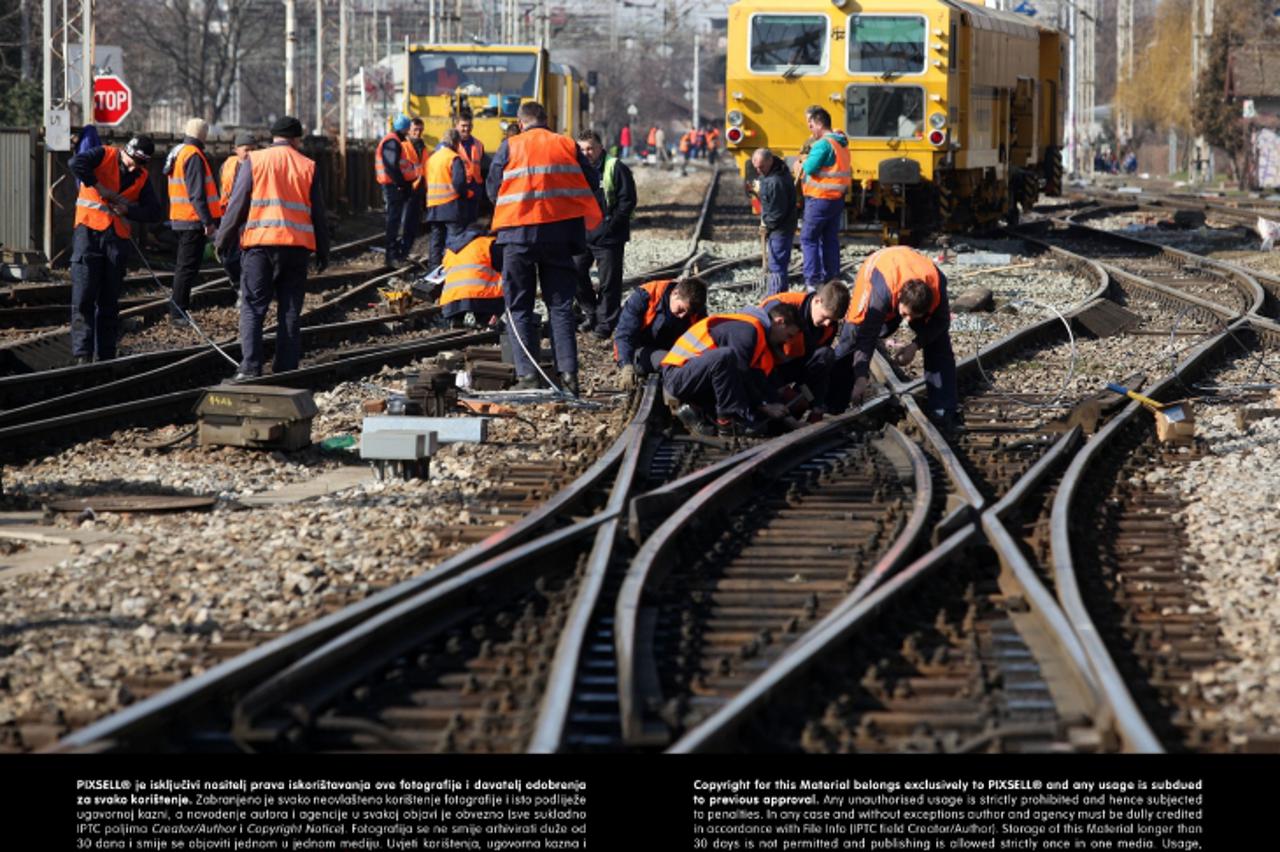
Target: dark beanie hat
x: 244, y: 137
x: 287, y: 127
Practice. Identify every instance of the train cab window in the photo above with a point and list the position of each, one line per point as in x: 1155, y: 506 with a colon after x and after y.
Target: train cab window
x: 434, y: 74
x: 887, y: 44
x: 788, y: 43
x: 884, y: 112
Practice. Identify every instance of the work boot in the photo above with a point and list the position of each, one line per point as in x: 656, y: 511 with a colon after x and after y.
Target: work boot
x: 241, y: 376
x: 81, y: 360
x: 569, y: 383
x: 695, y: 422
x: 528, y: 383
x: 729, y: 426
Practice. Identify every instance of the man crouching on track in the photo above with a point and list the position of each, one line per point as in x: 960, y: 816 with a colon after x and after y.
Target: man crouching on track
x: 472, y: 278
x: 113, y: 190
x: 652, y: 319
x: 724, y: 362
x: 281, y: 206
x: 896, y: 284
x: 807, y: 357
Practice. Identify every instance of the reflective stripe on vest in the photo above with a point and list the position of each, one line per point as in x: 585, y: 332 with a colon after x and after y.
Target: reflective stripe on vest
x: 831, y: 182
x: 472, y: 162
x: 280, y: 204
x: 897, y: 265
x: 180, y: 207
x: 92, y: 210
x: 440, y: 178
x: 408, y: 161
x: 542, y: 182
x: 698, y: 339
x: 469, y: 274
x: 227, y: 177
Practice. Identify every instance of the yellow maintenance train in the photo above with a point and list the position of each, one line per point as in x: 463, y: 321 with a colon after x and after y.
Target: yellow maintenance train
x: 953, y: 111
x: 492, y: 81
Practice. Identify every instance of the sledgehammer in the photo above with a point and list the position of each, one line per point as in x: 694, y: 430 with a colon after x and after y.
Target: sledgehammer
x: 1172, y: 413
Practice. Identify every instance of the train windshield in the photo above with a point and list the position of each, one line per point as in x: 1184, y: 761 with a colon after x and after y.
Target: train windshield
x: 788, y: 43
x: 435, y: 74
x: 886, y: 44
x: 885, y: 112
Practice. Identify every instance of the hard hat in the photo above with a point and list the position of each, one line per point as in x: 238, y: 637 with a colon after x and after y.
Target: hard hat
x: 400, y: 123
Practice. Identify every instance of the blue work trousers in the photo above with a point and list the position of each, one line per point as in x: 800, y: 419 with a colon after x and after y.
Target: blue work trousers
x: 414, y: 206
x: 97, y: 276
x: 713, y: 380
x: 278, y: 273
x: 820, y: 240
x: 394, y: 200
x: 525, y: 265
x: 779, y: 261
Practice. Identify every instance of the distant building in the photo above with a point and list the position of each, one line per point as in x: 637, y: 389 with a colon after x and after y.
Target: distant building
x: 1253, y: 84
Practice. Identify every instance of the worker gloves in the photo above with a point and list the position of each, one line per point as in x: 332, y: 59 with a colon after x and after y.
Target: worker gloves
x: 628, y: 380
x: 859, y: 391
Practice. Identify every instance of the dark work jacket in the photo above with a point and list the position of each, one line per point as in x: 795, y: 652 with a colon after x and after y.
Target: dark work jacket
x: 570, y: 231
x: 778, y: 210
x: 236, y: 214
x: 460, y: 211
x: 145, y: 209
x: 615, y: 228
x: 391, y: 161
x: 632, y: 334
x: 861, y: 339
x: 194, y: 178
x: 740, y: 336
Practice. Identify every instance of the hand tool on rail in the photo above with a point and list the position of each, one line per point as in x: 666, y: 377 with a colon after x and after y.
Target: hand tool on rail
x: 1173, y: 413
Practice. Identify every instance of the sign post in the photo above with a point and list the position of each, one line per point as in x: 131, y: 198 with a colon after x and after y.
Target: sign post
x: 112, y: 100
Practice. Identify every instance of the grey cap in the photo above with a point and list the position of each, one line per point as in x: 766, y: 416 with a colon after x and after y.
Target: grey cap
x: 244, y: 137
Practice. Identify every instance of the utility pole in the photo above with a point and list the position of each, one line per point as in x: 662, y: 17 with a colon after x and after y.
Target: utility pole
x: 1201, y: 34
x: 431, y: 21
x: 290, y: 45
x: 60, y: 23
x: 697, y: 75
x: 1124, y: 67
x: 613, y: 28
x: 319, y: 68
x: 342, y: 105
x: 1087, y: 75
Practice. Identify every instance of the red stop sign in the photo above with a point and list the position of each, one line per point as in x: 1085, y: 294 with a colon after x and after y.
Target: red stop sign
x: 112, y: 100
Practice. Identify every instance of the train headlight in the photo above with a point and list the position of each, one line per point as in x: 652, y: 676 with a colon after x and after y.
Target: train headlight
x: 937, y: 137
x: 938, y: 120
x: 735, y: 117
x: 734, y: 135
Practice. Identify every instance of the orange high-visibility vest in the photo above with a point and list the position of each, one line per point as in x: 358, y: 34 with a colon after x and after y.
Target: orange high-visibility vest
x: 684, y: 144
x: 833, y: 181
x: 656, y: 291
x: 180, y: 207
x: 408, y: 161
x: 469, y: 274
x: 440, y: 177
x: 92, y: 210
x: 713, y: 139
x: 653, y: 136
x: 698, y: 340
x: 795, y: 345
x: 472, y: 161
x: 542, y: 183
x: 280, y: 205
x: 897, y: 265
x: 227, y: 177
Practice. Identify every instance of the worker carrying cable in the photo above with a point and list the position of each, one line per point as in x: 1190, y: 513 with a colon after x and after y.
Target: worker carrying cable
x: 652, y: 319
x: 893, y: 285
x: 807, y: 357
x: 544, y: 201
x: 278, y: 201
x: 722, y: 364
x: 113, y: 189
x: 194, y: 210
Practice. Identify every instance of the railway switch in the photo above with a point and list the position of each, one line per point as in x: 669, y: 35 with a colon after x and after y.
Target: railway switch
x: 259, y: 416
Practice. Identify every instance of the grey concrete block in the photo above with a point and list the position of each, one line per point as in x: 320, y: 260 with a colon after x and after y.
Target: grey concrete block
x: 449, y: 430
x: 397, y: 445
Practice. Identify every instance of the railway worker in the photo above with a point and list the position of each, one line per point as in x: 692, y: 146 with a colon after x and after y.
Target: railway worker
x: 722, y: 364
x: 778, y: 214
x: 449, y: 209
x: 827, y: 176
x: 472, y: 278
x: 652, y: 319
x: 893, y: 285
x: 605, y: 244
x: 807, y: 357
x: 396, y: 169
x: 544, y: 196
x: 686, y: 149
x: 624, y: 141
x: 471, y: 150
x: 113, y: 189
x: 660, y: 144
x: 415, y: 207
x: 278, y: 201
x: 244, y: 143
x: 651, y: 141
x: 194, y: 211
x: 713, y: 145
